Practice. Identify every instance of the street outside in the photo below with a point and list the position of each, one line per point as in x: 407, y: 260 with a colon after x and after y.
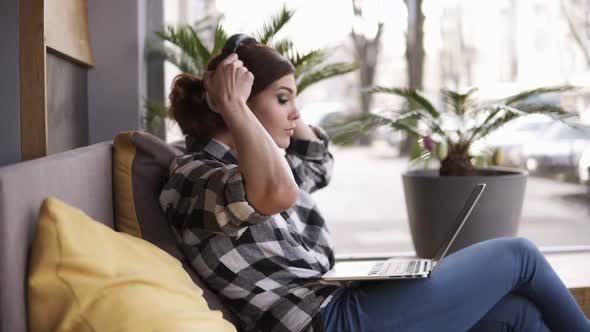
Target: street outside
x: 365, y: 209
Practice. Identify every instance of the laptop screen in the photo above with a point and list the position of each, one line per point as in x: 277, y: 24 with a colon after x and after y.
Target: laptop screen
x: 461, y: 219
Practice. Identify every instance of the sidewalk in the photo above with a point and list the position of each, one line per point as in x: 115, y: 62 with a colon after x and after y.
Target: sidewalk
x: 365, y: 208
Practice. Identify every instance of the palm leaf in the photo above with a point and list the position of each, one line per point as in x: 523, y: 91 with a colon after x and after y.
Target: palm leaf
x: 202, y: 53
x: 310, y: 58
x: 402, y: 125
x: 219, y: 39
x: 304, y: 63
x: 504, y: 114
x: 177, y: 35
x: 522, y: 96
x: 284, y: 47
x: 277, y: 22
x: 498, y: 116
x: 553, y: 111
x: 180, y: 61
x: 460, y: 103
x: 347, y: 134
x: 347, y: 129
x: 418, y: 152
x: 352, y: 127
x: 500, y: 121
x: 301, y: 62
x: 155, y: 109
x: 410, y: 95
x: 186, y: 39
x: 184, y: 49
x: 155, y: 113
x: 328, y: 71
x: 415, y: 102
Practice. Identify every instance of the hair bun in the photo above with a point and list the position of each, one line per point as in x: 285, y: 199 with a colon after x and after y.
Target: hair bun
x: 188, y: 86
x: 188, y: 106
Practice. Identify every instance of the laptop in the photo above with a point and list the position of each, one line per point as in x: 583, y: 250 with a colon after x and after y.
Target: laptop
x: 403, y: 268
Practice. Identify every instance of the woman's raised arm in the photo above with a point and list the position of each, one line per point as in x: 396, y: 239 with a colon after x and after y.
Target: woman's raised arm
x: 269, y: 183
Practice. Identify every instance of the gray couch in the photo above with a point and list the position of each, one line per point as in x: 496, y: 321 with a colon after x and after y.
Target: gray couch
x: 80, y: 177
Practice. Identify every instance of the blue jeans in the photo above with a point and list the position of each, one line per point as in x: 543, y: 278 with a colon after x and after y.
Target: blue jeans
x: 502, y: 284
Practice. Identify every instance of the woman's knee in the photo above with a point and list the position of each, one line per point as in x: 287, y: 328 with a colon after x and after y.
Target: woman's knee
x: 523, y: 244
x: 518, y: 245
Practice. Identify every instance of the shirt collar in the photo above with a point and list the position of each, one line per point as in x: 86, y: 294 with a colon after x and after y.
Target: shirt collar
x: 214, y: 148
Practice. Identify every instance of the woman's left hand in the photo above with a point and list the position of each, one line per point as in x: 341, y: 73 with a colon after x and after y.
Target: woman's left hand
x: 303, y: 131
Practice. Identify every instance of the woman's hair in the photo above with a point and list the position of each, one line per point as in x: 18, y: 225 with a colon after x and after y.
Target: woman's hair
x: 188, y: 105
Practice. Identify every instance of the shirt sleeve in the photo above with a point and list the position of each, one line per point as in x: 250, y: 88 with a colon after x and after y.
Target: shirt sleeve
x: 311, y: 162
x: 208, y: 195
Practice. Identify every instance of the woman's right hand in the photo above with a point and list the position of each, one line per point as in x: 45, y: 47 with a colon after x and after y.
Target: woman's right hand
x: 268, y: 180
x: 229, y: 85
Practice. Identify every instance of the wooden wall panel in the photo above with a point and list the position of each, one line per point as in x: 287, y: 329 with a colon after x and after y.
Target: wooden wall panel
x: 59, y: 26
x: 66, y: 30
x: 582, y: 296
x: 33, y: 92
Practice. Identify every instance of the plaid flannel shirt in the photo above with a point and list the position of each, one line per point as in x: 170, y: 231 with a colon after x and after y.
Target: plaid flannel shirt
x: 265, y: 268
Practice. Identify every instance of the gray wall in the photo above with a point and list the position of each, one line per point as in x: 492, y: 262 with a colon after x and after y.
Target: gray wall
x: 117, y: 85
x: 10, y: 151
x: 67, y: 104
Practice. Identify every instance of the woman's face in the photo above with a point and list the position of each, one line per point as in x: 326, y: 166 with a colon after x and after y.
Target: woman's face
x: 275, y: 109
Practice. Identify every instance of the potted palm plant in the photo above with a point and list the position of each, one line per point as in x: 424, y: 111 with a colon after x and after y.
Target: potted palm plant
x: 188, y: 52
x: 449, y: 135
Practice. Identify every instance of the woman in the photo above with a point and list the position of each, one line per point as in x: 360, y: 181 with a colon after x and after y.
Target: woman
x: 242, y: 212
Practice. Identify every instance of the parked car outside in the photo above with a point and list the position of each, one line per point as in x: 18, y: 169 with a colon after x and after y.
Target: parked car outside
x: 583, y: 165
x: 322, y: 114
x: 557, y: 149
x: 315, y: 112
x: 511, y: 138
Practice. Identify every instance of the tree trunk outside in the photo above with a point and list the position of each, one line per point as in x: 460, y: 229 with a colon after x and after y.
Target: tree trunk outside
x: 367, y: 72
x: 512, y: 46
x: 367, y: 52
x: 579, y: 33
x: 414, y: 57
x: 415, y: 44
x: 367, y: 138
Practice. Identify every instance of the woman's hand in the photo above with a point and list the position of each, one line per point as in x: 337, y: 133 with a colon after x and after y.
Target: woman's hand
x: 269, y: 182
x: 229, y: 85
x: 303, y: 131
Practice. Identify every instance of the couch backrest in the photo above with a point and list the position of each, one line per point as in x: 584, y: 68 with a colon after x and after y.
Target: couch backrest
x: 80, y: 177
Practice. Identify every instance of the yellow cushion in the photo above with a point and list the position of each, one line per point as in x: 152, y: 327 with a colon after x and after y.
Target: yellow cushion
x: 123, y: 155
x: 84, y: 276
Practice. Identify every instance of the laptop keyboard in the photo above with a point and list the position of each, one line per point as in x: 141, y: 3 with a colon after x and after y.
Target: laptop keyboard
x: 393, y: 267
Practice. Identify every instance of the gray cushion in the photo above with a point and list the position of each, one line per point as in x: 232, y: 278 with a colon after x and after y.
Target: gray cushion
x: 140, y: 167
x: 80, y: 177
